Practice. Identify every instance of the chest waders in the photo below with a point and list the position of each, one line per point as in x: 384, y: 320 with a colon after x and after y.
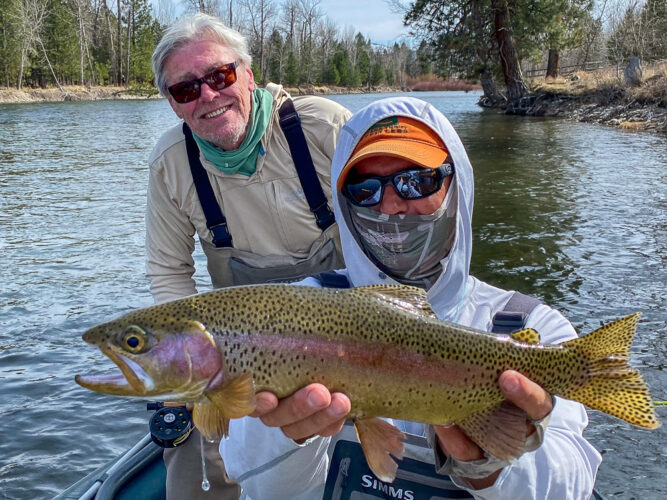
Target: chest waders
x: 290, y: 123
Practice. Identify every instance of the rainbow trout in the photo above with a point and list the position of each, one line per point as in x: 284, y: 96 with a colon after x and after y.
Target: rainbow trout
x: 381, y: 345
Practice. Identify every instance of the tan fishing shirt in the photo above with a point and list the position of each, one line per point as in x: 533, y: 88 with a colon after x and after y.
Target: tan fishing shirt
x: 275, y: 235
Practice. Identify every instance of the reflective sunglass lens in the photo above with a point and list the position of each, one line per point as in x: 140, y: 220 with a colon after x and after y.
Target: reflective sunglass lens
x: 412, y: 184
x: 186, y: 93
x: 222, y: 78
x: 366, y: 193
x: 415, y: 184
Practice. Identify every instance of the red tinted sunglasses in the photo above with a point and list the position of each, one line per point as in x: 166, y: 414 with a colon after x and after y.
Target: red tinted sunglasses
x: 218, y: 79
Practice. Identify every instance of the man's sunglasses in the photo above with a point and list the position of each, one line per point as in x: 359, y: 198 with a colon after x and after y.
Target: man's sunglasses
x: 410, y: 184
x: 218, y: 79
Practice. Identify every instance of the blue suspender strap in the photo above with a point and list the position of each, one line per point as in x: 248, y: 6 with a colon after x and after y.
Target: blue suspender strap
x: 513, y: 317
x: 291, y: 125
x: 215, y: 220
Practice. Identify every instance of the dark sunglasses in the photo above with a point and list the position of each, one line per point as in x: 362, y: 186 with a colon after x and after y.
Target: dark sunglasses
x: 218, y: 79
x: 410, y: 184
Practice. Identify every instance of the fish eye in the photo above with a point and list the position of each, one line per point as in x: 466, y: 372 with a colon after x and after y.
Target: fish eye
x: 134, y: 339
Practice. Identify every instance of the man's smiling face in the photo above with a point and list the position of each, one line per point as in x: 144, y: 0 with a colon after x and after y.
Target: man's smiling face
x: 218, y: 116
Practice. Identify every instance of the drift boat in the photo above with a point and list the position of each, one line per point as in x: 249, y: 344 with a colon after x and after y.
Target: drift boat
x: 139, y: 473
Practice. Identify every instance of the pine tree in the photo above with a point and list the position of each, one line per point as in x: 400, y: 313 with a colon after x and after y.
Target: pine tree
x: 9, y: 46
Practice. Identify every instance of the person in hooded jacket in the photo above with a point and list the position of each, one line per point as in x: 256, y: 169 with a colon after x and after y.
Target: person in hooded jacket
x: 403, y: 203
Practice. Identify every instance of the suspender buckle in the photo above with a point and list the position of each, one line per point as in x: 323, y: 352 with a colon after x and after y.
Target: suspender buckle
x: 508, y: 321
x: 289, y: 120
x: 324, y: 216
x: 221, y: 236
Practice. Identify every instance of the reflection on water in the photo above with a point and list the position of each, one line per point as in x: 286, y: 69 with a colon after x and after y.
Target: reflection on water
x: 572, y: 213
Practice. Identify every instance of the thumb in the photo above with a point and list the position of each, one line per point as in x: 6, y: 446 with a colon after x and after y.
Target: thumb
x: 526, y: 394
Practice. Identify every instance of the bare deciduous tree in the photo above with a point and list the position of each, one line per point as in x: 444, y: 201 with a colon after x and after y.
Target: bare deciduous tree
x: 260, y: 13
x: 30, y: 18
x: 311, y: 14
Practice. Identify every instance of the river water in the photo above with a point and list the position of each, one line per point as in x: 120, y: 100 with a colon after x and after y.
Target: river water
x: 572, y: 213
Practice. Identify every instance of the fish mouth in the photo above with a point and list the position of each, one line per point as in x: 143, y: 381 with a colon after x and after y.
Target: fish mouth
x: 133, y: 381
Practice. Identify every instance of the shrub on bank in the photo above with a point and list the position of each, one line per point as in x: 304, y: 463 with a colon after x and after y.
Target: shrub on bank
x: 431, y: 83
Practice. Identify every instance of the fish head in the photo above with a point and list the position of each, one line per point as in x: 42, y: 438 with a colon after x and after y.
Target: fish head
x: 170, y: 358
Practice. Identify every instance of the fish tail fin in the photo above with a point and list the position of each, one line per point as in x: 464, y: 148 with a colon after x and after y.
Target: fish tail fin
x: 609, y: 383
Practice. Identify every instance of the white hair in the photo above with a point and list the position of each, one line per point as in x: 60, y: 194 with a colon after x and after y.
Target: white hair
x: 194, y: 28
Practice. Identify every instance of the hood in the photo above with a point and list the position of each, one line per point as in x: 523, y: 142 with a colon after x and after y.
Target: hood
x: 447, y: 294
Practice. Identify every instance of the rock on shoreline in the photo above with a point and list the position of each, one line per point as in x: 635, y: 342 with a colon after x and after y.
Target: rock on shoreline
x: 70, y: 93
x: 617, y: 111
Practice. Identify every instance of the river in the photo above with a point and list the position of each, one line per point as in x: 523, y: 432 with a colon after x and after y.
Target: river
x: 572, y: 213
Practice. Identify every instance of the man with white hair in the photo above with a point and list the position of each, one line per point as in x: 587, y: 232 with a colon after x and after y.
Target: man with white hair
x: 248, y: 170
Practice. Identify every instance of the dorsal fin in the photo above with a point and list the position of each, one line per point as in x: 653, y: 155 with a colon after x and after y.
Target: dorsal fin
x: 527, y: 336
x: 409, y: 298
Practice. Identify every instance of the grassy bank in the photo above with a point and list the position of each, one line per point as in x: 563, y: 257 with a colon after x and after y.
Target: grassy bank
x: 606, y: 85
x: 602, y: 96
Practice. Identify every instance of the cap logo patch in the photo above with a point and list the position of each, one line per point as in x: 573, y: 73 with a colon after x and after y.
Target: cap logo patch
x: 387, y: 126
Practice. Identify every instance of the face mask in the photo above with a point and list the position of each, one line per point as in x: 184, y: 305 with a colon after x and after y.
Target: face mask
x: 408, y: 248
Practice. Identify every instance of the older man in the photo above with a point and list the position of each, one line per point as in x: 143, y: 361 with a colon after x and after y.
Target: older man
x: 248, y: 170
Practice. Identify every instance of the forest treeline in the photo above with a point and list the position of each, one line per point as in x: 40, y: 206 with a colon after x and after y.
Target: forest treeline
x: 110, y: 42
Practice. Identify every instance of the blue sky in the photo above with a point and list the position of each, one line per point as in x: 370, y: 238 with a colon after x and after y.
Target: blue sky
x: 373, y: 18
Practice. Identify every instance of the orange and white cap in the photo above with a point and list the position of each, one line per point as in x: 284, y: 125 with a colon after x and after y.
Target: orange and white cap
x: 400, y: 137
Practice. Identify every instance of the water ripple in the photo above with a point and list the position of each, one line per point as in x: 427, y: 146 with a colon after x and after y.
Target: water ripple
x: 562, y: 211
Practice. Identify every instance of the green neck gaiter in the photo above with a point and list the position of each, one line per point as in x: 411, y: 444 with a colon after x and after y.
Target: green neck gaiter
x: 244, y: 159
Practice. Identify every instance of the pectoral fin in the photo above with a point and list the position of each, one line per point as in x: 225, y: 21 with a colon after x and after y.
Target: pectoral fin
x: 227, y: 399
x: 500, y: 431
x: 234, y: 398
x: 379, y: 440
x: 210, y: 421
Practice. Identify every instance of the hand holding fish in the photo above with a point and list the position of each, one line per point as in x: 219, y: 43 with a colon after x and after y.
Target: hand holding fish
x: 308, y: 412
x: 313, y: 411
x: 382, y: 346
x: 525, y: 394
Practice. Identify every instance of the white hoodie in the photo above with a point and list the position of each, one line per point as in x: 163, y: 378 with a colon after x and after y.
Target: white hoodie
x: 268, y: 465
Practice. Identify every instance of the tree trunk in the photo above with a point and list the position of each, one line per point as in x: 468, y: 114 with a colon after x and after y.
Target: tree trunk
x: 55, y: 78
x: 491, y: 95
x: 130, y: 18
x: 111, y: 46
x: 119, y: 37
x: 81, y: 43
x: 552, y: 64
x: 24, y: 58
x: 509, y: 59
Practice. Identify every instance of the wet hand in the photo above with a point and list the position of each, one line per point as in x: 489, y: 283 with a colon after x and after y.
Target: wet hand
x: 521, y: 391
x: 527, y: 395
x: 310, y: 411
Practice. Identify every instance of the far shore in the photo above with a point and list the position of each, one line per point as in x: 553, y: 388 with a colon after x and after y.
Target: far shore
x: 587, y: 97
x: 97, y: 93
